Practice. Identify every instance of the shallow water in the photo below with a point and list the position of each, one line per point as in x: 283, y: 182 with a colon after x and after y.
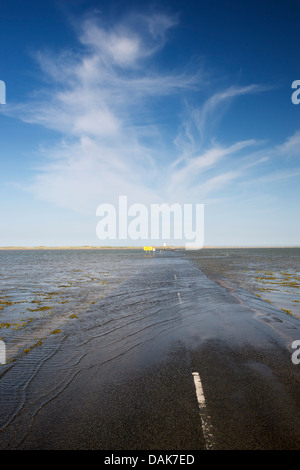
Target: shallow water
x: 105, y: 379
x: 40, y: 290
x: 273, y: 274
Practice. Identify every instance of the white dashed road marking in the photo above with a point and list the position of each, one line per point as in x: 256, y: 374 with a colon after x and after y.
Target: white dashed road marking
x: 205, y: 418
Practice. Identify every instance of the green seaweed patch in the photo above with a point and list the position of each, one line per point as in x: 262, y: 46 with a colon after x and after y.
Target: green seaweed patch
x: 6, y: 325
x: 40, y: 309
x: 5, y: 303
x: 38, y: 343
x: 16, y: 326
x: 289, y: 284
x: 287, y: 311
x: 55, y: 332
x: 10, y: 360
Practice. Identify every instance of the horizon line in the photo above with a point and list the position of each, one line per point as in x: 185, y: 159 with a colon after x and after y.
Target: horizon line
x: 96, y: 247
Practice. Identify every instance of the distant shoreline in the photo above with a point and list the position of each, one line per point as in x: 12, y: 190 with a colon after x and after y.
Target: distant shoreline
x: 3, y: 248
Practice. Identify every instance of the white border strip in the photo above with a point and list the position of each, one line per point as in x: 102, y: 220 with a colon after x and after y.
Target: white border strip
x: 205, y: 418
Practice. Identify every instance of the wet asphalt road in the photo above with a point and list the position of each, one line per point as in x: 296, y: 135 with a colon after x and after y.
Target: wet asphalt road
x: 120, y: 377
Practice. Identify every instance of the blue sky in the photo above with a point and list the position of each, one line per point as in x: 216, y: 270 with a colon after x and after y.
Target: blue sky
x: 169, y: 101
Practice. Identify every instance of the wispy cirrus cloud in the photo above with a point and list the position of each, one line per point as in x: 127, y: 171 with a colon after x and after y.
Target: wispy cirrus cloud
x: 291, y: 147
x: 128, y: 43
x: 201, y: 119
x: 203, y: 174
x: 101, y: 101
